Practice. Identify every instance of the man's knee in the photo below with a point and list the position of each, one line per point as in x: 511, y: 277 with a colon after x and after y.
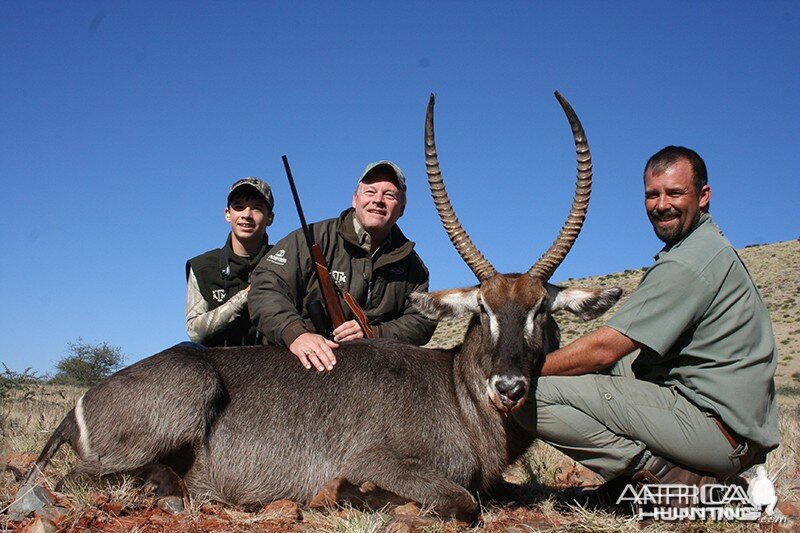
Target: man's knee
x: 563, y: 390
x: 551, y: 398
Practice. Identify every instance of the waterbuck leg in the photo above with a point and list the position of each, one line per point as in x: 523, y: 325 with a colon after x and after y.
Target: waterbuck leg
x: 449, y: 499
x: 502, y: 491
x: 367, y: 496
x: 168, y: 487
x: 408, y: 479
x: 72, y: 475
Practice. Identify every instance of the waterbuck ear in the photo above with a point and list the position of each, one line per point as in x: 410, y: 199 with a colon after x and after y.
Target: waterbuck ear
x: 585, y: 303
x: 448, y: 303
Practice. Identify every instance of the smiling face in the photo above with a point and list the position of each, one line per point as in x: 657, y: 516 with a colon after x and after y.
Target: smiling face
x: 378, y: 204
x: 672, y: 201
x: 249, y: 217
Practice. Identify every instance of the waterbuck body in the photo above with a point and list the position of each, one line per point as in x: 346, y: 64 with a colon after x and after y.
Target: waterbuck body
x: 248, y: 425
x: 413, y: 421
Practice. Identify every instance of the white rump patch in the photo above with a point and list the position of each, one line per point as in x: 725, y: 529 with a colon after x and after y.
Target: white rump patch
x: 584, y: 303
x: 83, y: 430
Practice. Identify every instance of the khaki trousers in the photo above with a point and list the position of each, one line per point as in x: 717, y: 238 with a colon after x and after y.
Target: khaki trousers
x: 612, y: 424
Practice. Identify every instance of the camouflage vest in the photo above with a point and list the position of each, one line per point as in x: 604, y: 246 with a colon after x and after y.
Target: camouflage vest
x: 220, y: 275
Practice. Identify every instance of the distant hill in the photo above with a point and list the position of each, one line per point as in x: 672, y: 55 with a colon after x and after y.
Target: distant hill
x: 774, y: 267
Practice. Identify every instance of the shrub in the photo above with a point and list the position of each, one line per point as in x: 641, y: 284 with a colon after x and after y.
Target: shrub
x: 24, y: 382
x: 788, y: 390
x: 87, y: 363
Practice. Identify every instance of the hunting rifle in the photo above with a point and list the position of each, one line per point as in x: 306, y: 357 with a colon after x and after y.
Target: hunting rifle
x: 330, y: 291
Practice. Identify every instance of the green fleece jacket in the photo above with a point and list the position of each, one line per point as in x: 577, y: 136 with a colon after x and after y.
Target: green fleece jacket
x: 285, y: 280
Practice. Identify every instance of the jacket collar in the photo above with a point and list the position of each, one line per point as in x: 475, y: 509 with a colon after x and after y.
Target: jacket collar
x: 393, y: 249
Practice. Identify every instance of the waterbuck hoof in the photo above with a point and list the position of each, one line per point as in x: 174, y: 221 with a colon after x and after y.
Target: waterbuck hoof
x: 171, y: 504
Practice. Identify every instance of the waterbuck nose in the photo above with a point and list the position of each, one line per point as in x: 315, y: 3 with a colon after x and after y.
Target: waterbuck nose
x: 512, y: 389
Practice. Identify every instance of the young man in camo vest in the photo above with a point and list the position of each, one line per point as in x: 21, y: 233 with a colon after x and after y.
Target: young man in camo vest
x: 218, y: 281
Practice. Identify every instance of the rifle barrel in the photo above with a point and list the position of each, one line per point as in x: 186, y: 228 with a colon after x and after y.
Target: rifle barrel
x: 306, y: 232
x: 329, y: 294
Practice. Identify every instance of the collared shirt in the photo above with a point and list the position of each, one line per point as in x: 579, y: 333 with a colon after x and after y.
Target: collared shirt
x: 363, y: 237
x: 706, y: 332
x: 202, y: 322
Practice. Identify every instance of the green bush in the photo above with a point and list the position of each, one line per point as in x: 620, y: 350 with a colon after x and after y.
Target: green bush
x: 87, y: 363
x: 25, y: 383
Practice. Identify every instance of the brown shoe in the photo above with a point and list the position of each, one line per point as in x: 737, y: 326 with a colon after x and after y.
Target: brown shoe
x: 659, y: 471
x: 606, y: 496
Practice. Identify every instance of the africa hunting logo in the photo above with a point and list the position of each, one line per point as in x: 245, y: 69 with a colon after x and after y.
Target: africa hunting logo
x: 707, y: 502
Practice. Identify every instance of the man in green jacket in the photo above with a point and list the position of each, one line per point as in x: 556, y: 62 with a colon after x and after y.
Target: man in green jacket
x: 698, y: 402
x: 368, y: 256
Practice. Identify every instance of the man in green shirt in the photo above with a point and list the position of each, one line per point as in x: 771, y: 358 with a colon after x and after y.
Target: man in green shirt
x: 698, y: 402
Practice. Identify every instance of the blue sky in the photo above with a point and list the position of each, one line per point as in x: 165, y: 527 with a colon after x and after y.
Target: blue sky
x: 124, y: 124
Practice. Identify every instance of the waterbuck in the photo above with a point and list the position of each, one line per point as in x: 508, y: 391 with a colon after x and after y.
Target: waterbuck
x: 247, y: 425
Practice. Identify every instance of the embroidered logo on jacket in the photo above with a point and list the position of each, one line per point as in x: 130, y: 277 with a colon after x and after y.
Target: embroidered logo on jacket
x: 339, y: 277
x: 277, y: 258
x: 218, y: 295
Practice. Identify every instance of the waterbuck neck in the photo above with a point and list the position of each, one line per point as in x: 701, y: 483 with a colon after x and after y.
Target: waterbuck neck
x: 485, y: 426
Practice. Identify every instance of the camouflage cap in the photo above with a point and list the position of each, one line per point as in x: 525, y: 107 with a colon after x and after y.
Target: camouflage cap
x: 388, y: 166
x: 260, y: 186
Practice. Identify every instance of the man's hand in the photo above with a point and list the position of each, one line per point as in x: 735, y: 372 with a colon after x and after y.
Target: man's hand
x: 312, y: 349
x: 348, y: 331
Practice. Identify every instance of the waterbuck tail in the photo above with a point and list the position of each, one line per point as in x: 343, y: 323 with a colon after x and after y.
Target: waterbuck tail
x: 66, y: 431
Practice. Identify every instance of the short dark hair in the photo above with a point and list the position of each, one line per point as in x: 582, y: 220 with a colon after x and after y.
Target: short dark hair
x: 666, y: 157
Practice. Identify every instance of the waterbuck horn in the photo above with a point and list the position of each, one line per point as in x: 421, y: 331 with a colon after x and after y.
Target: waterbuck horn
x: 553, y: 257
x: 479, y: 265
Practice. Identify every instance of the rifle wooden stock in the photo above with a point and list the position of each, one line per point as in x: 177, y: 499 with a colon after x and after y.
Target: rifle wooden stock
x: 332, y: 303
x: 331, y: 298
x: 361, y: 318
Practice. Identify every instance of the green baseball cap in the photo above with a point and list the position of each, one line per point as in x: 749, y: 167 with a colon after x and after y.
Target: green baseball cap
x: 385, y: 165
